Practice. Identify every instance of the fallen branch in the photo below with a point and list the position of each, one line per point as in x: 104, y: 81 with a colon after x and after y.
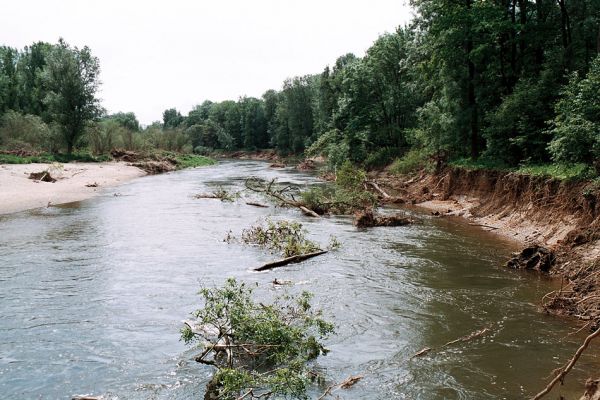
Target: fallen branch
x: 251, y: 203
x: 466, y: 338
x: 348, y: 382
x: 256, y: 186
x: 485, y: 226
x: 565, y: 370
x: 385, y: 196
x: 290, y: 260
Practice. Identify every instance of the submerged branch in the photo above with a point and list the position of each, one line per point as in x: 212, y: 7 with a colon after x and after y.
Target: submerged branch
x: 565, y: 370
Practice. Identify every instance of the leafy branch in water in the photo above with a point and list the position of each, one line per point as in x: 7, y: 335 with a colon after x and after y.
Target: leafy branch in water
x: 257, y: 349
x: 218, y: 193
x: 348, y: 195
x: 287, y: 237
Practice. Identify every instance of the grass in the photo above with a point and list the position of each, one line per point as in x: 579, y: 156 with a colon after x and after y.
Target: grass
x: 557, y: 171
x: 50, y: 158
x: 480, y: 163
x: 192, y: 161
x: 560, y: 171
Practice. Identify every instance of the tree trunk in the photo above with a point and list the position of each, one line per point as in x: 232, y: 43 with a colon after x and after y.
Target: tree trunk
x: 565, y: 30
x: 472, y: 103
x: 523, y: 23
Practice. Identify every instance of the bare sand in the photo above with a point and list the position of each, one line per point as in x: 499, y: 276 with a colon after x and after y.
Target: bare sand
x: 19, y: 193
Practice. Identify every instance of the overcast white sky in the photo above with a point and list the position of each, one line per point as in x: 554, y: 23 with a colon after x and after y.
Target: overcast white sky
x: 160, y: 54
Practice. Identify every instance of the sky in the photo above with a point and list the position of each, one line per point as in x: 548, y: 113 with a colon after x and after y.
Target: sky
x: 156, y: 55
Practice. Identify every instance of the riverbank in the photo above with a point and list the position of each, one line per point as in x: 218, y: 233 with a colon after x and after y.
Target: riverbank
x: 74, y: 182
x: 563, y: 216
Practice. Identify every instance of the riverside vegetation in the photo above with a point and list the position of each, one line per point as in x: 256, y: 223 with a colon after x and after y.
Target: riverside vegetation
x: 505, y: 84
x: 473, y: 85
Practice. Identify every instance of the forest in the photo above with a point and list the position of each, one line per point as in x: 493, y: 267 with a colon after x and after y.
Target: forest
x: 501, y: 84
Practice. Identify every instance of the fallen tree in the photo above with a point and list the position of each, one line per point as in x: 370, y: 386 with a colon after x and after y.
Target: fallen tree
x: 290, y: 260
x: 258, y: 350
x: 285, y: 195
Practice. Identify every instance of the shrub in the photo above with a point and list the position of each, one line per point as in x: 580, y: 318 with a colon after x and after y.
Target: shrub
x: 413, y: 160
x: 26, y: 132
x: 287, y: 237
x: 381, y: 158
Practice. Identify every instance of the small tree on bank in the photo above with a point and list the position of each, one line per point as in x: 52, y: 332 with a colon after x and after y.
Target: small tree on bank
x: 71, y: 76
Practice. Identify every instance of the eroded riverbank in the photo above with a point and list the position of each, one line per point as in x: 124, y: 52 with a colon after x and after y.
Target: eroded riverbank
x: 100, y: 287
x: 535, y: 211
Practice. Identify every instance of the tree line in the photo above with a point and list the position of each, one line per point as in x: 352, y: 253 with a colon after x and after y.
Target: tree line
x: 509, y: 82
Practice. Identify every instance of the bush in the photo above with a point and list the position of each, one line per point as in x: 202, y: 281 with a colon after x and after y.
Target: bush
x: 414, y: 160
x: 381, y: 157
x: 26, y: 132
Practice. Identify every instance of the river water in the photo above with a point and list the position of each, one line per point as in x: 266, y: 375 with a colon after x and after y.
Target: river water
x: 92, y: 295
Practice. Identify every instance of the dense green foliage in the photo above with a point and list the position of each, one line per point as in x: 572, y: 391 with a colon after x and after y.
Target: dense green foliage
x: 287, y: 237
x: 504, y: 82
x: 346, y: 196
x: 257, y: 348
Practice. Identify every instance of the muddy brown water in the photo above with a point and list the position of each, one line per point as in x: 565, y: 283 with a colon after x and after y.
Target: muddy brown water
x: 92, y: 295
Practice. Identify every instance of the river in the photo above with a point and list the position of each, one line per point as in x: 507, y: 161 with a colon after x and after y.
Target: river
x: 92, y: 295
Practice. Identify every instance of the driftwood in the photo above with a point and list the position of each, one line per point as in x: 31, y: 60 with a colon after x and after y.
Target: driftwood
x: 348, y: 382
x: 268, y: 189
x: 592, y: 390
x: 563, y: 371
x: 533, y: 257
x: 466, y: 338
x: 290, y: 260
x: 369, y: 218
x: 251, y: 203
x: 485, y: 226
x: 385, y: 196
x: 86, y: 397
x: 43, y: 176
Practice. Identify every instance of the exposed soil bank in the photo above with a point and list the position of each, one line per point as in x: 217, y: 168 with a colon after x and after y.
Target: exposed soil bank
x: 74, y: 182
x: 560, y: 215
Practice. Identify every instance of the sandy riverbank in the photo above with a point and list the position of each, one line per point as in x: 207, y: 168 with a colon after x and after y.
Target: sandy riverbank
x: 18, y: 192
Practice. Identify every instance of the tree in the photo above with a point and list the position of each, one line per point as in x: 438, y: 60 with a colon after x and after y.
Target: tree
x: 71, y: 77
x: 126, y: 120
x: 172, y: 118
x: 576, y: 127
